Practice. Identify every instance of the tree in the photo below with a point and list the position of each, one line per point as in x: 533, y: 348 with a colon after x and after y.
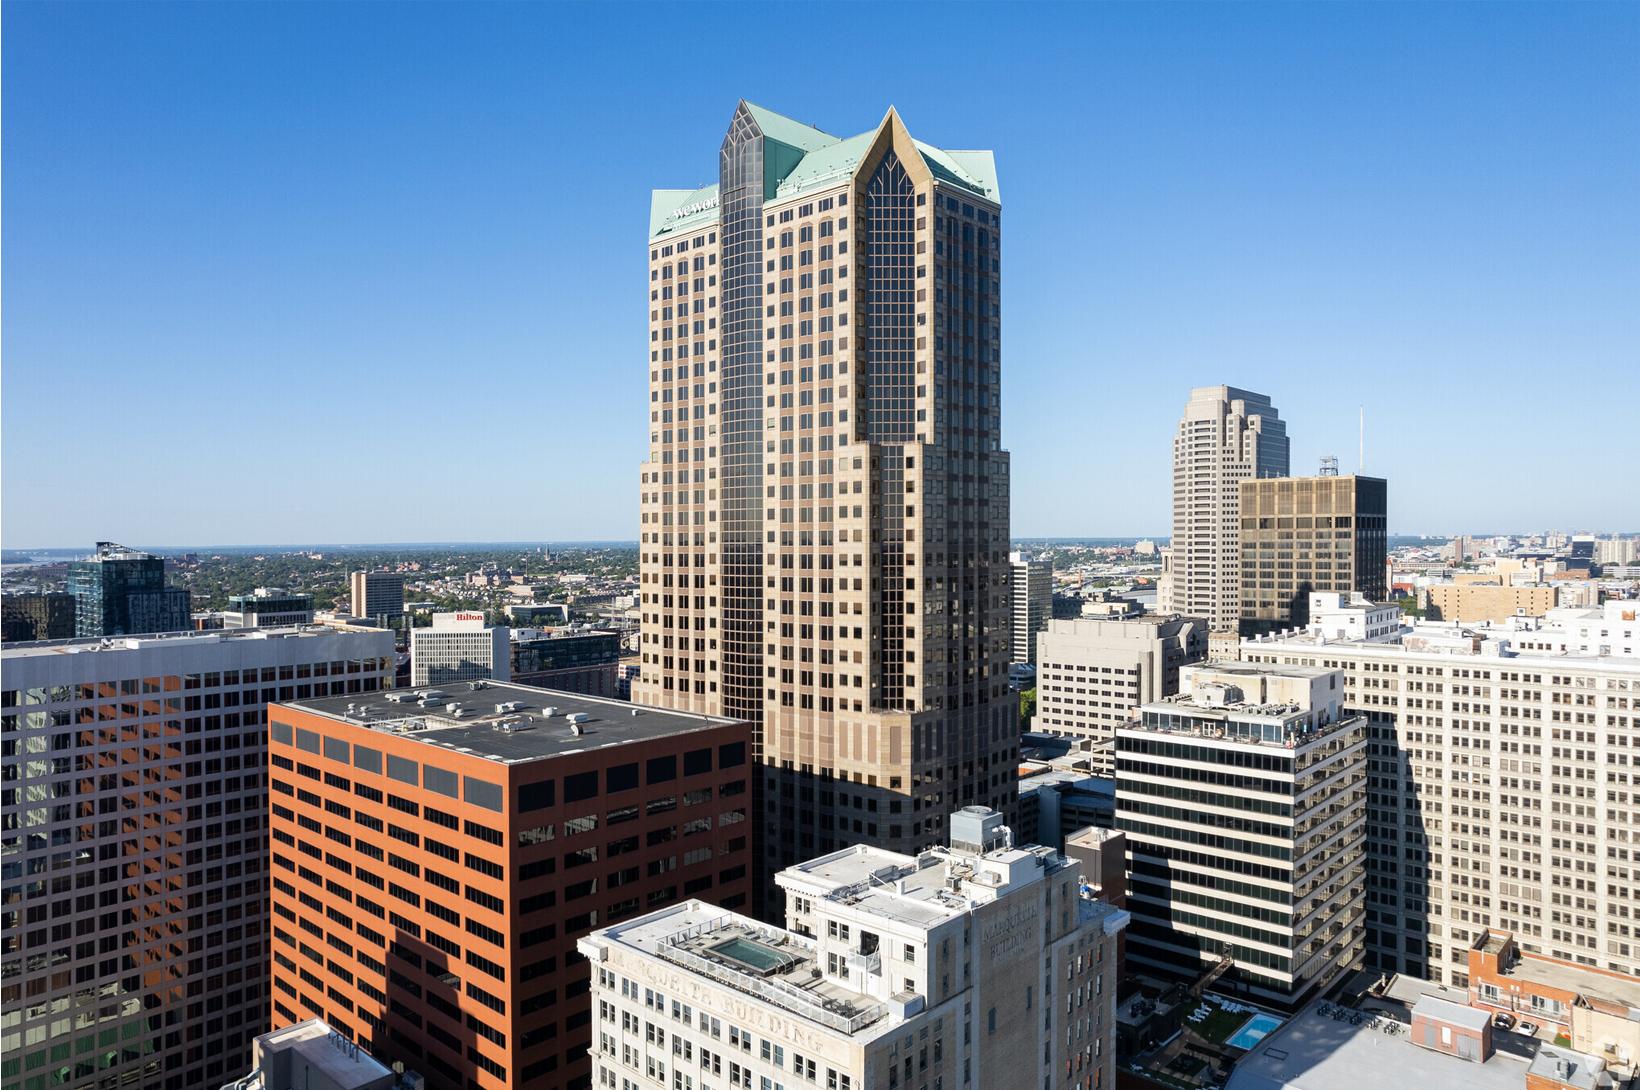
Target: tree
x: 1027, y: 708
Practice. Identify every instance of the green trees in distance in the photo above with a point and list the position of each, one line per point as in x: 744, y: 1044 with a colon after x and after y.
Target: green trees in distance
x: 1027, y: 708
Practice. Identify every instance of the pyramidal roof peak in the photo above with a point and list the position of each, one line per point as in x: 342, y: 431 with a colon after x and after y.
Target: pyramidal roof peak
x: 788, y: 130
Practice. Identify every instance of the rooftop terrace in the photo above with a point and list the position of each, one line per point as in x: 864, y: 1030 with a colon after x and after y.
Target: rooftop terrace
x: 771, y: 963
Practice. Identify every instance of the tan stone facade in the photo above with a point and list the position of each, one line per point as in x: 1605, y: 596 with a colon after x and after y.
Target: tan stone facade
x: 1465, y: 602
x: 1501, y: 794
x: 1226, y: 436
x: 824, y: 538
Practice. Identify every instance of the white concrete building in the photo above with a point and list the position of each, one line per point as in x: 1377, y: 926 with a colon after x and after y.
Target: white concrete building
x: 976, y: 965
x: 1244, y: 801
x: 458, y: 647
x: 1031, y: 585
x: 1092, y: 675
x: 311, y: 1056
x: 1226, y: 436
x: 1354, y: 618
x: 135, y: 906
x: 1503, y: 771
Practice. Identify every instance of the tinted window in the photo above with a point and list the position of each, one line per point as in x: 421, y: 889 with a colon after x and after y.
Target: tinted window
x: 623, y: 777
x: 336, y: 749
x: 536, y: 796
x: 307, y: 740
x: 731, y: 755
x: 582, y: 785
x: 441, y: 780
x: 697, y: 761
x: 402, y: 769
x: 482, y: 793
x: 368, y: 759
x: 280, y: 732
x: 662, y: 769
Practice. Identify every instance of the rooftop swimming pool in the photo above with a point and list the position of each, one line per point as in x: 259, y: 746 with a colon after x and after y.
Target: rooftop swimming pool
x: 755, y: 956
x: 1254, y: 1030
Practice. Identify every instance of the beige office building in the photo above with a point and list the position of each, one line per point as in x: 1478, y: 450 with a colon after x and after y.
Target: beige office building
x: 1032, y: 594
x: 377, y: 595
x: 1302, y: 535
x: 1094, y: 674
x: 1467, y: 602
x: 968, y: 966
x: 1501, y: 792
x: 1225, y: 437
x: 824, y: 516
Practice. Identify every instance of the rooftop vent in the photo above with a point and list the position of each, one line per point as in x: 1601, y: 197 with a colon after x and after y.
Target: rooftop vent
x: 977, y: 830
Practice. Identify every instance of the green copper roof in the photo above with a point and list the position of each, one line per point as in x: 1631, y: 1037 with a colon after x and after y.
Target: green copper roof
x: 784, y: 129
x: 817, y: 160
x: 681, y: 209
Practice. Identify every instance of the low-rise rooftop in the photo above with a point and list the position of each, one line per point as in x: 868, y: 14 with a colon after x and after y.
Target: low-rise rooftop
x: 1574, y: 1069
x: 1327, y: 1047
x: 507, y: 723
x: 188, y: 637
x: 771, y: 963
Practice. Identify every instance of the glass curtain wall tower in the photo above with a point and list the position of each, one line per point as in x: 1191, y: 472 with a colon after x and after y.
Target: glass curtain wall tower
x: 825, y: 504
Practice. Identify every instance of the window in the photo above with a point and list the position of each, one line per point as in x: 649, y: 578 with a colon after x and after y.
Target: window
x: 580, y: 786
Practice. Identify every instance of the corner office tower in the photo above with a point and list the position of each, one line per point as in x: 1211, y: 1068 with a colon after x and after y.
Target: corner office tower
x: 824, y: 547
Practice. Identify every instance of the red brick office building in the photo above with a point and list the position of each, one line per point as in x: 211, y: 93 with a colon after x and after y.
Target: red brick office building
x: 436, y: 853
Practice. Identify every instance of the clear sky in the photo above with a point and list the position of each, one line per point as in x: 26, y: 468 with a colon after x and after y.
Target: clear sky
x: 353, y: 273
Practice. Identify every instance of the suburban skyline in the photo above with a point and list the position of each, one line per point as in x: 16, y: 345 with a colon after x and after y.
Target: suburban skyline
x: 265, y: 292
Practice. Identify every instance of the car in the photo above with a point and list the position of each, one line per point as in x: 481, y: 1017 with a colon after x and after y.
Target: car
x: 1528, y: 1028
x: 1503, y: 1020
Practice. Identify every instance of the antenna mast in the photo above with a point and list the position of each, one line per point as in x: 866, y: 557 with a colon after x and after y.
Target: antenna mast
x: 1361, y: 458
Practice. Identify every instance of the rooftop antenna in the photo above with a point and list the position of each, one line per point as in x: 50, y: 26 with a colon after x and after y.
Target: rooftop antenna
x: 1362, y: 456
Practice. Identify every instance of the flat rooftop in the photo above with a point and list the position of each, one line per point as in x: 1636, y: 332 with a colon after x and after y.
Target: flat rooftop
x: 1316, y: 1051
x: 186, y: 638
x: 1621, y: 990
x: 775, y: 965
x: 342, y: 1064
x: 1263, y: 669
x: 507, y: 723
x: 1572, y: 1068
x: 1471, y: 639
x: 927, y: 889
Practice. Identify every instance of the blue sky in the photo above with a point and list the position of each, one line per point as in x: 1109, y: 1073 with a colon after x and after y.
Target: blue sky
x: 376, y: 273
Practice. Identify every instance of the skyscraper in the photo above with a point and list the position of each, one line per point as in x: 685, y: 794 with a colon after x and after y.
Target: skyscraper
x: 119, y: 591
x: 1226, y: 436
x: 45, y: 616
x: 1300, y: 535
x: 1032, y: 593
x: 134, y: 906
x: 825, y: 504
